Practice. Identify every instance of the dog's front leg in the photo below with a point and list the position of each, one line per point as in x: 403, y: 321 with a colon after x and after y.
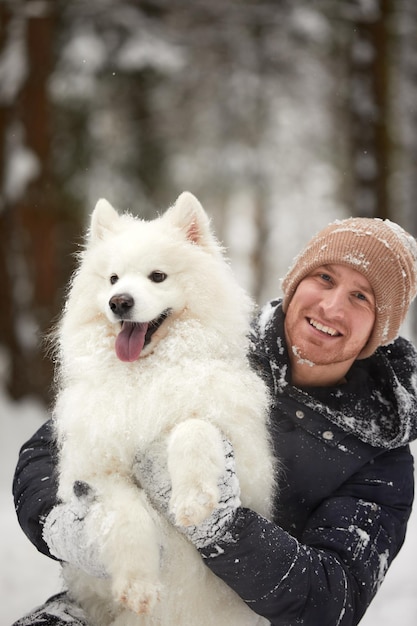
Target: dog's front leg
x: 131, y: 543
x: 195, y: 463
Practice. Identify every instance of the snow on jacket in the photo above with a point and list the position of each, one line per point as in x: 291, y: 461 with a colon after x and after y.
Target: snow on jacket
x: 346, y: 488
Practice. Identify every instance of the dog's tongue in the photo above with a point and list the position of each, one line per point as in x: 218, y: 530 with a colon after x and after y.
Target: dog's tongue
x: 130, y: 341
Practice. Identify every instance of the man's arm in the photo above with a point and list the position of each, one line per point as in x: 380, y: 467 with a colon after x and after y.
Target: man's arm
x: 331, y: 575
x: 35, y: 484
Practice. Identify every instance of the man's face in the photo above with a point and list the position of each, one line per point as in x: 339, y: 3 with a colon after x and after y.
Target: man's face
x: 329, y: 320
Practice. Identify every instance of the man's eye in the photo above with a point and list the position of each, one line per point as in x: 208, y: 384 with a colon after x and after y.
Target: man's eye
x: 361, y: 296
x: 157, y: 277
x: 325, y: 277
x: 113, y: 279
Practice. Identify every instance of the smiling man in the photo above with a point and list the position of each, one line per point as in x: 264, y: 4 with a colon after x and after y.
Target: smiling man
x: 344, y: 389
x: 328, y: 323
x: 344, y: 409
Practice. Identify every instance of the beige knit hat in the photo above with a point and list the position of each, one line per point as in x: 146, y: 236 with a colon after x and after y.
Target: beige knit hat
x: 380, y: 250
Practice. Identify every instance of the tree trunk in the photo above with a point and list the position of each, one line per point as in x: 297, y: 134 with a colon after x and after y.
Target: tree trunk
x: 370, y: 111
x: 31, y: 223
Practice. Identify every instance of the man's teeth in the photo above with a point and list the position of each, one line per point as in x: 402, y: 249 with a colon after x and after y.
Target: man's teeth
x: 324, y: 329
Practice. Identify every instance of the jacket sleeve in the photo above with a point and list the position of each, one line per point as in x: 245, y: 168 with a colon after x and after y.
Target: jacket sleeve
x: 35, y: 484
x: 330, y: 576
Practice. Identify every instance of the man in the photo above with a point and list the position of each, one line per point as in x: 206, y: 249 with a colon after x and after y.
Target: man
x: 344, y: 410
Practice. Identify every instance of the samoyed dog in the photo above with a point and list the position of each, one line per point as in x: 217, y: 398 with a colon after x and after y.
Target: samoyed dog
x: 152, y: 347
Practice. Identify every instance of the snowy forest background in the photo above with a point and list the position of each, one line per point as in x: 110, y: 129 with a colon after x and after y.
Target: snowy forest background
x: 280, y: 115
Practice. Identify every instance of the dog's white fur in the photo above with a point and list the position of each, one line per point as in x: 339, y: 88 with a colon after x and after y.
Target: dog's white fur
x: 189, y: 384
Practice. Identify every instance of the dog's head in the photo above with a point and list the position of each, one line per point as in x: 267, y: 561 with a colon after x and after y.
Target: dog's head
x: 144, y: 275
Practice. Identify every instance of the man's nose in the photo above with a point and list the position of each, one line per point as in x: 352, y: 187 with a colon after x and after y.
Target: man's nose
x: 334, y: 302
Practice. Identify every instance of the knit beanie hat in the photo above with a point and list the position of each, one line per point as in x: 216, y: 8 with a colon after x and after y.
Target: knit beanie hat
x: 380, y: 250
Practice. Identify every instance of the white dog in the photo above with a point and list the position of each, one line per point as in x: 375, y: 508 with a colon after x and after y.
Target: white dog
x: 153, y: 346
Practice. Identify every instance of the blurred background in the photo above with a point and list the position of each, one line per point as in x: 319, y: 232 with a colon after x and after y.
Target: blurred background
x: 280, y: 115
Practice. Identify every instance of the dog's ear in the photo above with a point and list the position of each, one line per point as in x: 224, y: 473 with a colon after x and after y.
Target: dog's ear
x: 104, y: 220
x: 188, y: 215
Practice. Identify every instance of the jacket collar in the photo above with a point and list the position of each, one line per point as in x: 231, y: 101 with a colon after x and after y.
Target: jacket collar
x: 378, y: 403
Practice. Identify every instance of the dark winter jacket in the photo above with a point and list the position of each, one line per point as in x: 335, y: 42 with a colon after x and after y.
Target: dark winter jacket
x: 346, y: 488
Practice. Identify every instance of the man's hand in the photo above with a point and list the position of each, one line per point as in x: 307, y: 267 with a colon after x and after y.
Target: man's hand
x: 154, y: 478
x: 64, y: 532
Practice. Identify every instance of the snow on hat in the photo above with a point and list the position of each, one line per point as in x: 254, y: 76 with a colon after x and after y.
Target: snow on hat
x: 380, y: 250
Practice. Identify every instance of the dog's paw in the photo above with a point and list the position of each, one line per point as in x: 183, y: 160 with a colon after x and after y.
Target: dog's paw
x: 194, y: 507
x: 138, y: 596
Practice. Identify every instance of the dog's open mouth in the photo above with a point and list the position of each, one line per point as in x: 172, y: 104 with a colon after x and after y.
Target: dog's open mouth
x: 133, y: 336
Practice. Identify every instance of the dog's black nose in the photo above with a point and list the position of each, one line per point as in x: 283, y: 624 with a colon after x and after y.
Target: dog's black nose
x: 121, y: 304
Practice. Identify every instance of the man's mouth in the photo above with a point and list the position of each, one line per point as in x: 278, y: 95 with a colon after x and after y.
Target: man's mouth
x: 134, y: 336
x: 327, y: 330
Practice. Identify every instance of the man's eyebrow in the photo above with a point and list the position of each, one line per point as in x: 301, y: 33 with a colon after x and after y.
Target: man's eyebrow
x: 365, y: 288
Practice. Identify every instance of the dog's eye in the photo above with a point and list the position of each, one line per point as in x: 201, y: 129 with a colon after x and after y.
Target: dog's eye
x: 113, y: 279
x: 157, y: 277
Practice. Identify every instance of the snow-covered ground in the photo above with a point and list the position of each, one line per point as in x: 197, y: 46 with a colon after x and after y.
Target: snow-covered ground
x: 27, y: 577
